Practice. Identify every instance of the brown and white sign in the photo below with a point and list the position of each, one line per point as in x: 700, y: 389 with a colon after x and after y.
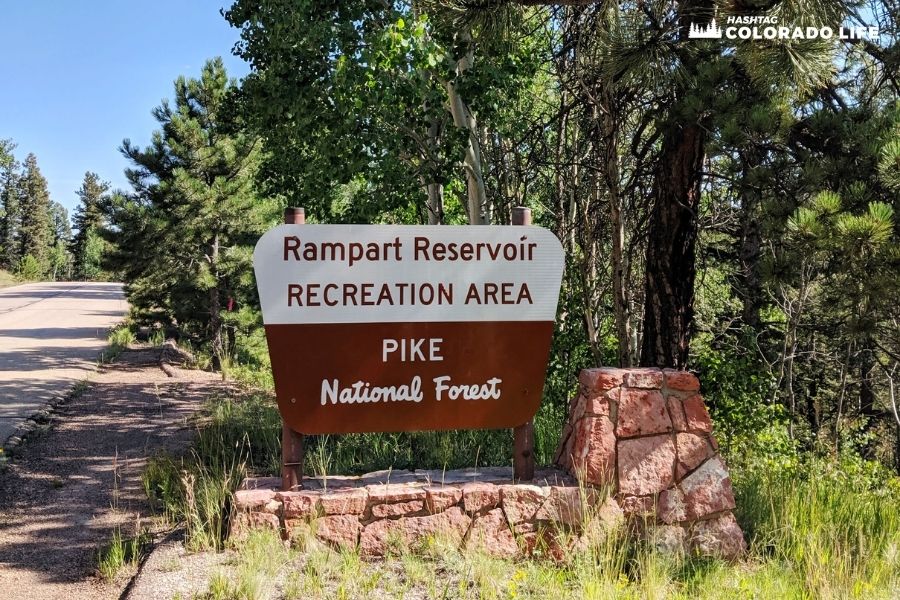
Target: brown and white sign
x: 406, y: 328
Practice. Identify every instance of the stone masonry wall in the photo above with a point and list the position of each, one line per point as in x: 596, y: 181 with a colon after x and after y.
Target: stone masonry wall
x: 637, y: 449
x: 469, y: 507
x: 646, y: 435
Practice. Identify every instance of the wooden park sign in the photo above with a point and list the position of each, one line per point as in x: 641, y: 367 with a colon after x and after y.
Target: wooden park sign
x: 407, y: 328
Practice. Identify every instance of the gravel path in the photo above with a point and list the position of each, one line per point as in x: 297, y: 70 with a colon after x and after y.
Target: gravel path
x: 67, y: 488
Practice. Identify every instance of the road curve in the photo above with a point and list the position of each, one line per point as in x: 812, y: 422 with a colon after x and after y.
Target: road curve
x: 51, y: 335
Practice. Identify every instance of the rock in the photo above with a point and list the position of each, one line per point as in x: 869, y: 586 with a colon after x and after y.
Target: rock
x: 670, y: 540
x: 670, y: 506
x: 490, y: 533
x: 348, y: 501
x: 298, y: 532
x: 696, y: 415
x: 543, y: 543
x: 568, y: 505
x: 692, y: 450
x: 708, y: 490
x: 597, y: 381
x: 681, y: 381
x: 646, y: 465
x: 565, y: 444
x: 338, y: 530
x: 720, y: 537
x: 299, y: 505
x: 642, y: 412
x: 439, y: 499
x: 521, y: 502
x: 594, y: 451
x: 399, y: 509
x: 394, y: 492
x: 258, y: 500
x: 676, y: 413
x: 648, y: 378
x: 480, y: 497
x: 377, y: 536
x: 638, y: 506
x: 243, y: 523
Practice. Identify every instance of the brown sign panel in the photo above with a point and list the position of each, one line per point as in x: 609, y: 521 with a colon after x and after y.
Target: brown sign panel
x: 392, y: 328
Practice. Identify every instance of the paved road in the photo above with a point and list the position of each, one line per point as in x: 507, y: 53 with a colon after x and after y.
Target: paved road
x: 51, y: 335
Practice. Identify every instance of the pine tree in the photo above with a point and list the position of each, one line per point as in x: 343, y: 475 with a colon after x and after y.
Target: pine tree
x: 184, y: 236
x: 58, y: 255
x: 34, y: 235
x: 87, y: 221
x: 9, y: 206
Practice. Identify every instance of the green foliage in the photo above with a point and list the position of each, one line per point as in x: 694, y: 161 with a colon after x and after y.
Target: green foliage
x: 30, y: 268
x: 87, y: 246
x: 36, y: 227
x: 182, y: 240
x: 121, y: 553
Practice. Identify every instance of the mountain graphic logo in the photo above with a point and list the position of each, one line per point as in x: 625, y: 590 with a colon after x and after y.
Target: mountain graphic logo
x: 710, y: 32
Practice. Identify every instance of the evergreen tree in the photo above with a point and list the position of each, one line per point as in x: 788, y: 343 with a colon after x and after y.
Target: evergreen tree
x: 34, y: 236
x: 87, y: 221
x: 58, y: 255
x: 10, y: 214
x: 184, y: 237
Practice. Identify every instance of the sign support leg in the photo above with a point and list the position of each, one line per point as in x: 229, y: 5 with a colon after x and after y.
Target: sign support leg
x: 523, y: 435
x: 291, y: 441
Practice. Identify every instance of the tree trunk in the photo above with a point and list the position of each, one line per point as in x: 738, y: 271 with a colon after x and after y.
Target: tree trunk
x: 670, y: 268
x: 215, y: 316
x: 464, y: 119
x: 610, y: 122
x: 750, y: 248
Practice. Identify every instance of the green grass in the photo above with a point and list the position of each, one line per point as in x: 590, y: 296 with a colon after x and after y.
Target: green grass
x: 121, y: 553
x: 8, y: 279
x: 118, y: 340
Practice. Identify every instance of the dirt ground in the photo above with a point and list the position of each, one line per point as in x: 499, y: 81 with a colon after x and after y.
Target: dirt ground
x: 77, y: 478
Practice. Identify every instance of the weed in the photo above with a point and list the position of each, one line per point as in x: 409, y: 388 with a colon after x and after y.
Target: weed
x: 121, y: 553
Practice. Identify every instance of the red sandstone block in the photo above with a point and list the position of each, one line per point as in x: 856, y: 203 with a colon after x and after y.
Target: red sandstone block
x: 594, y: 451
x: 383, y: 511
x: 243, y: 523
x: 299, y: 505
x: 720, y: 537
x: 521, y: 502
x: 676, y: 412
x: 692, y: 450
x: 642, y: 412
x: 646, y: 465
x: 682, y: 381
x: 253, y: 500
x: 491, y: 534
x: 670, y: 506
x: 338, y: 530
x: 597, y: 381
x: 347, y: 501
x: 394, y: 492
x: 696, y: 415
x: 568, y: 505
x: 646, y: 378
x: 708, y: 490
x: 478, y: 497
x: 637, y: 506
x: 438, y: 499
x: 375, y: 537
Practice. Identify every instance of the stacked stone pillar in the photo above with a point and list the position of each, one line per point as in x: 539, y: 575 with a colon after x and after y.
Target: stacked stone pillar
x: 646, y: 435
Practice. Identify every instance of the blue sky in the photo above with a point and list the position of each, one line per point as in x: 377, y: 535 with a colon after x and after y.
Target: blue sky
x: 76, y: 78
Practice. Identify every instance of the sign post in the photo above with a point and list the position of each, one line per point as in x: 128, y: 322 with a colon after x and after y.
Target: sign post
x: 408, y: 328
x: 523, y: 435
x: 291, y: 441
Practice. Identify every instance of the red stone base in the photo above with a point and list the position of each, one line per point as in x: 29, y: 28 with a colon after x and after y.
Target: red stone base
x: 468, y: 507
x: 646, y: 434
x: 642, y: 435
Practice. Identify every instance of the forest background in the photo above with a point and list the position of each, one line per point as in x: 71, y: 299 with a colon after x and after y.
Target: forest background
x: 726, y: 206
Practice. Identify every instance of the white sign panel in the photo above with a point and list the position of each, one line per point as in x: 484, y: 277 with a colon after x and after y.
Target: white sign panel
x: 397, y: 274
